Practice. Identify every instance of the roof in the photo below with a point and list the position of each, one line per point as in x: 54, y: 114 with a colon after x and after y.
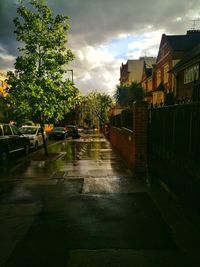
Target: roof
x: 183, y: 42
x: 148, y: 68
x: 149, y: 61
x: 192, y: 54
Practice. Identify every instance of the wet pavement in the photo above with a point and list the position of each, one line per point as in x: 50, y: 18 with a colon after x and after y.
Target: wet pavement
x: 82, y: 207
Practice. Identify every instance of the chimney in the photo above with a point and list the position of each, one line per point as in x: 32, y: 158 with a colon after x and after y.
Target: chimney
x: 193, y: 32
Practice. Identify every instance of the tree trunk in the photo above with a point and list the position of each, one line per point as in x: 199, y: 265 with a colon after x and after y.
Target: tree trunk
x: 44, y: 140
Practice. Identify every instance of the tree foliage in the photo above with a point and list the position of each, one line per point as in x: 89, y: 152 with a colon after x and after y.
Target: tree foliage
x: 99, y: 104
x: 4, y: 109
x: 126, y: 95
x: 38, y: 90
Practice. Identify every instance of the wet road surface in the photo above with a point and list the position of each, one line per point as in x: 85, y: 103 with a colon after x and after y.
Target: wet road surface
x: 83, y: 207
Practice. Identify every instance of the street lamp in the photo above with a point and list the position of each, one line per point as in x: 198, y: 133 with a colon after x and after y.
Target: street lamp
x: 72, y: 75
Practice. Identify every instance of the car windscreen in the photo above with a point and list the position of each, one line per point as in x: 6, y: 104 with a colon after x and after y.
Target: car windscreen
x: 59, y: 129
x: 71, y: 127
x: 28, y: 130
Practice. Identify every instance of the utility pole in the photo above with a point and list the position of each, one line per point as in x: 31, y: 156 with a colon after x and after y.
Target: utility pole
x: 72, y: 74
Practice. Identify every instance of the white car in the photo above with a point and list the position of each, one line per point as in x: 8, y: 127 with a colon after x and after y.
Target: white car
x: 34, y: 134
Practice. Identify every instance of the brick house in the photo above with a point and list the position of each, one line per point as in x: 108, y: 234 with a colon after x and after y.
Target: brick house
x: 172, y: 49
x: 132, y: 70
x: 147, y: 78
x: 187, y: 76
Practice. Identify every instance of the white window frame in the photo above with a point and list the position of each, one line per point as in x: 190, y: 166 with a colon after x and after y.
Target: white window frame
x: 191, y: 74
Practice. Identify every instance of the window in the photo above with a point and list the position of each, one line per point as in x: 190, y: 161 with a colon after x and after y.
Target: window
x: 166, y: 74
x: 158, y: 78
x: 191, y: 74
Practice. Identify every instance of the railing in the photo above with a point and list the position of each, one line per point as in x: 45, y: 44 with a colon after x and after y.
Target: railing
x: 123, y: 120
x: 176, y: 129
x: 174, y: 146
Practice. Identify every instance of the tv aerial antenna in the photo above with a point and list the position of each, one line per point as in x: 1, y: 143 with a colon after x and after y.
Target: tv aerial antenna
x: 196, y: 23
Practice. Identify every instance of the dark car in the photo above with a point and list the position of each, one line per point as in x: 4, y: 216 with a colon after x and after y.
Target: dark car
x: 12, y: 142
x: 72, y: 131
x: 58, y: 133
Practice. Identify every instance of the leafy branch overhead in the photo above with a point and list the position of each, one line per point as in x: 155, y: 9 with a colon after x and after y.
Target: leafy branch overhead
x: 38, y: 88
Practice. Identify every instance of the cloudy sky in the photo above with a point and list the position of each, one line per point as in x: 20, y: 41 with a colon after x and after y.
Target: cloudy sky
x: 105, y: 33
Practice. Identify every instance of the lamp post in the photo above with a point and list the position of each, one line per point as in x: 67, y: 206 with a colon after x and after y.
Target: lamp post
x: 72, y: 74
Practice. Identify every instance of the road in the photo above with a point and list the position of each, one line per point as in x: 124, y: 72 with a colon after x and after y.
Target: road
x: 83, y: 207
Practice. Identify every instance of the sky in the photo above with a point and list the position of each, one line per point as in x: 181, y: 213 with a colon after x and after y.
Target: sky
x: 104, y: 34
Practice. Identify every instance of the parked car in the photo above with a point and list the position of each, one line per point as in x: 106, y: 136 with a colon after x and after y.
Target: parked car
x: 58, y: 133
x: 34, y: 133
x: 72, y: 130
x: 12, y: 142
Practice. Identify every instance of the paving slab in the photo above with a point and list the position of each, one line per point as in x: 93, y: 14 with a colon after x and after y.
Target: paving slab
x: 87, y: 208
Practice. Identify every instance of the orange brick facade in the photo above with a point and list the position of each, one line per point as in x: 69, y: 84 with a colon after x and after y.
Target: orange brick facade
x: 133, y: 144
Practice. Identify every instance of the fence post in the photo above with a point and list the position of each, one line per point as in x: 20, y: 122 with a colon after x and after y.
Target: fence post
x: 140, y: 127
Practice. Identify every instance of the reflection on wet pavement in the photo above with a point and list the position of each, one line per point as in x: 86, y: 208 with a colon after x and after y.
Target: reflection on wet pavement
x: 85, y: 200
x: 87, y: 158
x: 112, y: 185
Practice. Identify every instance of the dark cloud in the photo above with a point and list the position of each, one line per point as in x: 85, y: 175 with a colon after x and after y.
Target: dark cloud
x: 94, y: 22
x: 7, y: 14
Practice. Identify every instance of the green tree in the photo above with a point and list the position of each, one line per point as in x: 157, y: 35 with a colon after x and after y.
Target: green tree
x: 99, y: 104
x: 4, y: 109
x: 126, y: 95
x: 120, y: 95
x: 38, y: 90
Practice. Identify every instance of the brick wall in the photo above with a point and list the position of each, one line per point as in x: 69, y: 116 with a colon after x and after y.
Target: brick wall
x: 123, y: 141
x: 133, y: 144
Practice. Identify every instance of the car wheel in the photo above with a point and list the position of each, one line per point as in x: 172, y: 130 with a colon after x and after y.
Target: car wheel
x: 36, y: 146
x: 26, y: 149
x: 4, y: 156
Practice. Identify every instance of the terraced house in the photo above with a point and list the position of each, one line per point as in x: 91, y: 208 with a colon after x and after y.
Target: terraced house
x: 173, y: 48
x: 132, y: 70
x: 147, y: 79
x: 187, y: 76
